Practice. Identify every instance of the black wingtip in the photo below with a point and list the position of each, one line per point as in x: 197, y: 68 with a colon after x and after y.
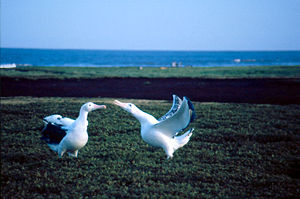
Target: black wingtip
x: 191, y: 107
x: 53, y: 134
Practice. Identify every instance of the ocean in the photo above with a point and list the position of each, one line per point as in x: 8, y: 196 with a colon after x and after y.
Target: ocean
x: 122, y: 58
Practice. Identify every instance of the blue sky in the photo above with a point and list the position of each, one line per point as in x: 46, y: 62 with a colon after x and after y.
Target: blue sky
x: 151, y: 24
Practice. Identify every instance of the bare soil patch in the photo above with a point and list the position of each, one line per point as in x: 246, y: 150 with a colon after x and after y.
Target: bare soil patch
x: 256, y: 90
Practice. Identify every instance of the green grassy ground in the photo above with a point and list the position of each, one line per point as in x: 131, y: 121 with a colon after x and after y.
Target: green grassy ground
x: 236, y: 151
x: 204, y: 72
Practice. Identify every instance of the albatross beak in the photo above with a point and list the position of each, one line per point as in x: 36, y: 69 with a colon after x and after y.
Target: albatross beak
x: 99, y: 106
x: 118, y: 103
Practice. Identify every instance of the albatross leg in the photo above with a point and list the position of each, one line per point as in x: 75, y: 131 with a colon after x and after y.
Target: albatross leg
x: 169, y: 151
x: 73, y: 153
x: 61, y: 151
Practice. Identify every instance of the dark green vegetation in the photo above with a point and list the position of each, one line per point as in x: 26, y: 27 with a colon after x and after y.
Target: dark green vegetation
x: 237, y: 151
x: 195, y: 72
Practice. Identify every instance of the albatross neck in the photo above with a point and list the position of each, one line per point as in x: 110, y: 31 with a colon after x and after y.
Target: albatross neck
x: 144, y: 118
x: 82, y: 118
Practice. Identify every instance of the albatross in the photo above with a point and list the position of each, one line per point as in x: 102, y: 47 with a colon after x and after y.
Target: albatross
x: 63, y: 134
x: 163, y: 132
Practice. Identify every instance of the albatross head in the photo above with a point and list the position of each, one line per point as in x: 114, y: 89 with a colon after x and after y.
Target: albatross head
x: 129, y: 107
x: 90, y: 106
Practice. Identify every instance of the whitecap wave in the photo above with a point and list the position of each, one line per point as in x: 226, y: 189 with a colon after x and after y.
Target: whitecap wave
x: 8, y: 65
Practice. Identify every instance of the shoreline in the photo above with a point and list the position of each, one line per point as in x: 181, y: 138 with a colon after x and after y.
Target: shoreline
x: 152, y: 72
x: 234, y: 90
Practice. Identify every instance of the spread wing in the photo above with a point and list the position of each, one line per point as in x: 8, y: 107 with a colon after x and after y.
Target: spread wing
x: 66, y: 121
x: 176, y: 105
x: 178, y: 118
x: 55, y: 129
x: 58, y: 120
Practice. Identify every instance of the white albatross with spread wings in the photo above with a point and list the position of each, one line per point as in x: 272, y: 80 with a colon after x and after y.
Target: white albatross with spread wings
x: 163, y: 132
x: 63, y: 134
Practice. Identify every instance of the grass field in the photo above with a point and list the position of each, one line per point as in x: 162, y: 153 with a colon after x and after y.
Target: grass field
x: 150, y: 72
x: 236, y: 151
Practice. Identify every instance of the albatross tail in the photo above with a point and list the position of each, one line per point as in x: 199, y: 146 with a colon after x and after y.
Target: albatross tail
x: 183, y: 139
x: 53, y: 147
